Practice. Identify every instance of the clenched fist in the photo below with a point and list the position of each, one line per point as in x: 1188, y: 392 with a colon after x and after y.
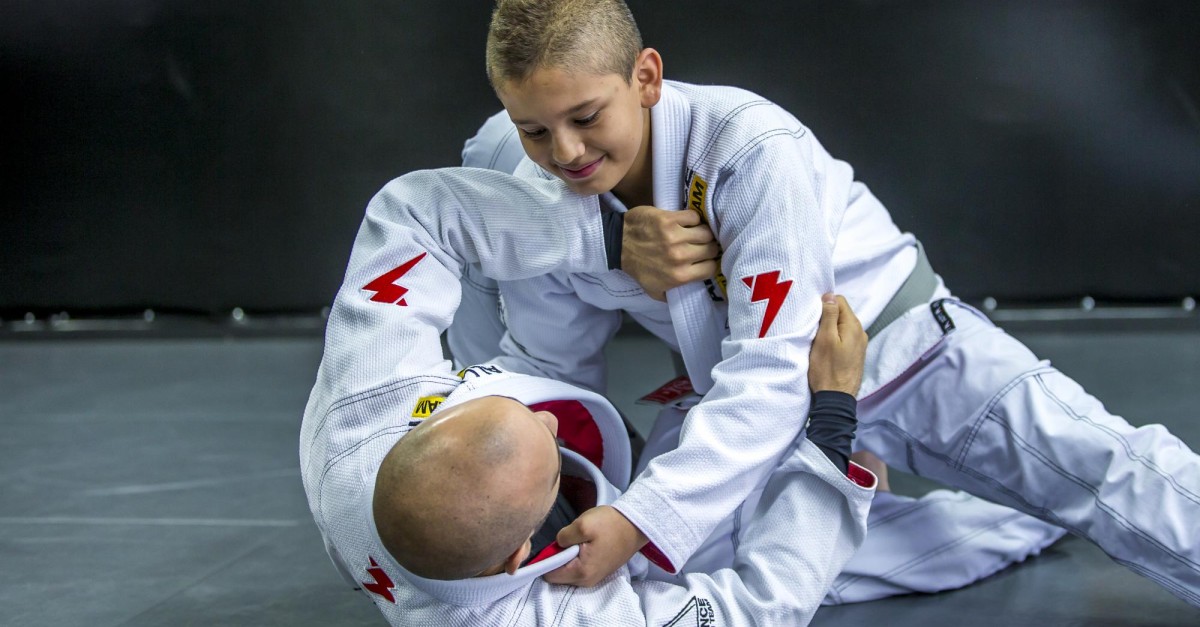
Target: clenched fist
x: 839, y: 350
x: 664, y: 249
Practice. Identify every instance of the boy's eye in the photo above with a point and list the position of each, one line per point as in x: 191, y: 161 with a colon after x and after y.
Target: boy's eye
x: 534, y: 134
x: 589, y: 120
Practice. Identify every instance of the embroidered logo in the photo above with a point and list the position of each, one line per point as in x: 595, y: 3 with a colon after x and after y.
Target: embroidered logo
x: 939, y: 313
x: 380, y: 583
x: 698, y: 612
x: 768, y: 287
x: 696, y: 201
x: 385, y: 287
x: 426, y: 405
x: 478, y: 371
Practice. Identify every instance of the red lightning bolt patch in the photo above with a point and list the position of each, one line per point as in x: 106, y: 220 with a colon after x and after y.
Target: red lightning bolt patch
x: 380, y: 583
x: 385, y: 287
x: 768, y: 287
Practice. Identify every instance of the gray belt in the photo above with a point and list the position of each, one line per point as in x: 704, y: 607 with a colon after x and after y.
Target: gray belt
x: 918, y: 288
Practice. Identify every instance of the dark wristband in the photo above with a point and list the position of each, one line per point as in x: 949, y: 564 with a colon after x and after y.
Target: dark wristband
x: 832, y: 420
x: 614, y: 231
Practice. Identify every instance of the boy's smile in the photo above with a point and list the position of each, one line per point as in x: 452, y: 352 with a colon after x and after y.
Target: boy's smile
x: 583, y: 172
x: 592, y: 131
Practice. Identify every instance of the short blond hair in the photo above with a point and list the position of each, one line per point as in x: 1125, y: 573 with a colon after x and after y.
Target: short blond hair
x: 594, y: 36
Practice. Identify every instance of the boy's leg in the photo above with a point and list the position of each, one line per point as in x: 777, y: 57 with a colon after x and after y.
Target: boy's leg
x: 984, y: 415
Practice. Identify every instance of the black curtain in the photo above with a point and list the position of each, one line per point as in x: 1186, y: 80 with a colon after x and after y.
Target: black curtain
x: 204, y: 155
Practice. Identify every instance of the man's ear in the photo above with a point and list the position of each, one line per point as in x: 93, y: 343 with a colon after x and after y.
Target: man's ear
x: 648, y: 77
x: 514, y: 561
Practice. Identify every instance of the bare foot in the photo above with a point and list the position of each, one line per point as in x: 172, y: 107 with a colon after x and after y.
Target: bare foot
x: 867, y: 460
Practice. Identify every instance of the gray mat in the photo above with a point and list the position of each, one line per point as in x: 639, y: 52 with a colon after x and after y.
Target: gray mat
x: 156, y: 482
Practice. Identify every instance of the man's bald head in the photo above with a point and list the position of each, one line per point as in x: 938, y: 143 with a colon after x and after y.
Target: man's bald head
x: 463, y: 491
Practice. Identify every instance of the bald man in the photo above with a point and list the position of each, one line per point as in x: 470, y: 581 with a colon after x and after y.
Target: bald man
x: 462, y: 494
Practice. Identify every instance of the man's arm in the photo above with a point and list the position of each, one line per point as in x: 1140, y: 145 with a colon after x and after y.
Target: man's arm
x: 474, y: 336
x: 401, y: 285
x: 552, y: 333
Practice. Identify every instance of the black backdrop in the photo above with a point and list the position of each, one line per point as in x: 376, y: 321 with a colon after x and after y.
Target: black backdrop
x: 204, y: 155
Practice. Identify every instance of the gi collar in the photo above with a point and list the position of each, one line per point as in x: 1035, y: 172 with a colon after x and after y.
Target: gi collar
x: 587, y: 423
x: 486, y: 590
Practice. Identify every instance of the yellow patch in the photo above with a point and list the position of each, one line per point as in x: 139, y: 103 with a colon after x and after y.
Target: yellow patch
x: 720, y: 279
x: 697, y: 201
x: 696, y: 197
x: 426, y: 405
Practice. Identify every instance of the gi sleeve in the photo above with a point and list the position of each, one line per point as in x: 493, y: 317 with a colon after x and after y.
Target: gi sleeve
x: 776, y: 223
x: 401, y: 287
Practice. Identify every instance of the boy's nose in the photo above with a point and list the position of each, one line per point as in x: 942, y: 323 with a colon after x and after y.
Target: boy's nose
x: 567, y: 150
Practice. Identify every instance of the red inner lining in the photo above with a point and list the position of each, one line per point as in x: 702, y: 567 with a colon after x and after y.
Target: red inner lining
x: 576, y: 428
x: 860, y: 476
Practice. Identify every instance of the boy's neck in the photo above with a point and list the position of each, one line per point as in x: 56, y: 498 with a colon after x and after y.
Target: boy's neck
x: 637, y: 188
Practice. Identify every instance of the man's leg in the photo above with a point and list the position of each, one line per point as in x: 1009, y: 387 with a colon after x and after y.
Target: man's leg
x: 985, y: 415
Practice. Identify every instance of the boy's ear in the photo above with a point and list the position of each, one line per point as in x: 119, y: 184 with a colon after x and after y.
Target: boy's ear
x: 648, y: 77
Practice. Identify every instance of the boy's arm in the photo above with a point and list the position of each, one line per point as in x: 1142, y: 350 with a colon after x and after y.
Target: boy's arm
x: 810, y: 521
x: 776, y: 213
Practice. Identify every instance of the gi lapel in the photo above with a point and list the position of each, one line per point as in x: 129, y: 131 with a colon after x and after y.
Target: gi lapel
x: 699, y: 327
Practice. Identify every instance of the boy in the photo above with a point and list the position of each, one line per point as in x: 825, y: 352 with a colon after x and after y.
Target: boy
x: 941, y: 541
x: 947, y: 395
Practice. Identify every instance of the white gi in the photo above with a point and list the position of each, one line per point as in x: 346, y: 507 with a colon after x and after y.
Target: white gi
x: 942, y: 541
x: 947, y: 394
x: 383, y: 367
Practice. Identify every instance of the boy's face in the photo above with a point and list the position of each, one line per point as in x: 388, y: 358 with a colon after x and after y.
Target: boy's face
x: 589, y: 130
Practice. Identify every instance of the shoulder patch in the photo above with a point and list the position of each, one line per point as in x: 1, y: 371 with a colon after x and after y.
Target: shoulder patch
x: 477, y: 371
x: 379, y: 584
